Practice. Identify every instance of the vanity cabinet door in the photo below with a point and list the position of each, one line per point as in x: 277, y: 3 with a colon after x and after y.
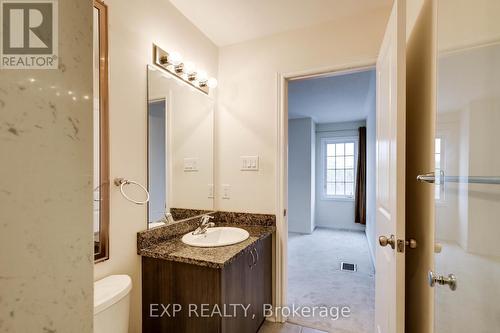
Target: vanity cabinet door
x: 236, y: 281
x: 261, y: 282
x: 165, y: 283
x: 247, y: 281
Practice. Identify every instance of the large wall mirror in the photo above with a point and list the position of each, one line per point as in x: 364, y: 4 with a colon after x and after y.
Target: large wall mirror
x: 101, y: 139
x: 180, y: 149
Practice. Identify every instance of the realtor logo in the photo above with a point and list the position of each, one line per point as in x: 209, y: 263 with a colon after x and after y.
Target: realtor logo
x: 29, y: 32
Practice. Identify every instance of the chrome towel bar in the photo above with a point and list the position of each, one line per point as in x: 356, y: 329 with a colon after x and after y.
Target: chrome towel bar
x: 431, y: 178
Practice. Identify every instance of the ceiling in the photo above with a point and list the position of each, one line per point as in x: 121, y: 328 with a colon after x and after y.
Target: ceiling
x: 228, y: 22
x: 341, y: 98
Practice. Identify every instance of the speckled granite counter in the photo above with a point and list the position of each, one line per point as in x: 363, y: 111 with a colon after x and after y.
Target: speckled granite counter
x: 165, y: 242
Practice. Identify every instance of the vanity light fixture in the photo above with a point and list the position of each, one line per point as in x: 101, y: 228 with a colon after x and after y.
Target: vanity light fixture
x: 186, y: 71
x: 212, y: 83
x: 175, y: 58
x: 189, y: 68
x: 202, y: 77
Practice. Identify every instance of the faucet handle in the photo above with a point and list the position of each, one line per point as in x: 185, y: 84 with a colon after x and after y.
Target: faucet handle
x: 205, y: 219
x: 169, y: 218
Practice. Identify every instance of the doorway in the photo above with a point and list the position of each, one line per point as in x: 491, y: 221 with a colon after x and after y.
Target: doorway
x: 331, y: 200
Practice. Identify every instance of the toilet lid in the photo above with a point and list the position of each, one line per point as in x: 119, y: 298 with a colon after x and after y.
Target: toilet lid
x: 110, y: 290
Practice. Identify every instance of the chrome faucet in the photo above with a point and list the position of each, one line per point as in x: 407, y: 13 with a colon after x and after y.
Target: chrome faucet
x: 204, y: 225
x: 169, y: 218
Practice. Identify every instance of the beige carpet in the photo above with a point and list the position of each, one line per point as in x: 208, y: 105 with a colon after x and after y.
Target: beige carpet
x: 315, y: 278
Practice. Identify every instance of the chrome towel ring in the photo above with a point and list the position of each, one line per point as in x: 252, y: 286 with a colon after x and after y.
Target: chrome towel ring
x: 121, y: 182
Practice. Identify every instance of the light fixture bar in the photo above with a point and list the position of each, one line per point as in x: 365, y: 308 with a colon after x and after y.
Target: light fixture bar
x: 163, y: 59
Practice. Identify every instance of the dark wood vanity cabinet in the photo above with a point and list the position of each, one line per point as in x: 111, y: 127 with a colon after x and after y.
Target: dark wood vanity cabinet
x: 247, y: 280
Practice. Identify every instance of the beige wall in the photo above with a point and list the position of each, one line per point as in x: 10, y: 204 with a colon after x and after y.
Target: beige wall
x: 46, y: 250
x: 247, y: 105
x: 134, y: 26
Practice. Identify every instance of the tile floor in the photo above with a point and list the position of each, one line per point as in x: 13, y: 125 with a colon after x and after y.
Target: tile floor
x: 315, y: 279
x: 269, y: 327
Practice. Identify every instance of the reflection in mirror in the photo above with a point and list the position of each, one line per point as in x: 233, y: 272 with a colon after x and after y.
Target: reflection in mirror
x: 467, y: 157
x: 100, y: 133
x: 180, y: 149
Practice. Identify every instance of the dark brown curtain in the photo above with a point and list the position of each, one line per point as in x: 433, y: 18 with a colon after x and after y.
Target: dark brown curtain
x: 360, y: 214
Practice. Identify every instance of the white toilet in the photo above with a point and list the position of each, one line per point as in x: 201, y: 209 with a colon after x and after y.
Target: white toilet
x: 111, y: 304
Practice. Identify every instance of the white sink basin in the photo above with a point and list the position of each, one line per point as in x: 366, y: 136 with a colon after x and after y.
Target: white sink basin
x: 220, y: 236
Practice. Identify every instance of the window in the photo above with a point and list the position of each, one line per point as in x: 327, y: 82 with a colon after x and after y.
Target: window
x: 339, y: 167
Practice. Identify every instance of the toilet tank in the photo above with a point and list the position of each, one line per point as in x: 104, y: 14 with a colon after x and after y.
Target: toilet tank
x: 112, y: 304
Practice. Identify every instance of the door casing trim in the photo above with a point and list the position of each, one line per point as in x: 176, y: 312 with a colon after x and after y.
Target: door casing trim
x: 280, y: 277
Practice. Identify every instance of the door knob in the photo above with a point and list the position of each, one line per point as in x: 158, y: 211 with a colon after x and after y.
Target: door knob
x: 384, y: 241
x: 411, y: 243
x: 438, y: 248
x: 450, y: 280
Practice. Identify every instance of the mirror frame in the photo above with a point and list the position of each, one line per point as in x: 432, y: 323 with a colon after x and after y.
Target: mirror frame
x: 103, y: 254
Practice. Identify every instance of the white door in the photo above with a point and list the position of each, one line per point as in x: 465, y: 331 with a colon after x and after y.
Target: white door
x: 390, y: 205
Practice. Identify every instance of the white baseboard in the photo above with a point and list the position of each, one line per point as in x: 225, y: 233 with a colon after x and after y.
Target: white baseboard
x: 370, y: 249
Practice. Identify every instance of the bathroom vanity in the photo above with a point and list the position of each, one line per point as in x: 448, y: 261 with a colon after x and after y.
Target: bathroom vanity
x: 187, y: 287
x: 202, y: 289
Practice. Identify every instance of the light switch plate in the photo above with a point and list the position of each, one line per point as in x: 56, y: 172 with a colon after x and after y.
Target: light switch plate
x: 190, y: 164
x: 249, y: 163
x: 226, y: 191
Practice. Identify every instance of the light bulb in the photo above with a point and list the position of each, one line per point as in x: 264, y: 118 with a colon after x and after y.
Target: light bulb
x: 175, y: 58
x: 212, y: 83
x: 189, y: 67
x: 202, y: 76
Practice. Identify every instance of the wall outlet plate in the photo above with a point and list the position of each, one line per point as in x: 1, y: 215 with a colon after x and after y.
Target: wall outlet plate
x: 226, y: 191
x: 190, y: 164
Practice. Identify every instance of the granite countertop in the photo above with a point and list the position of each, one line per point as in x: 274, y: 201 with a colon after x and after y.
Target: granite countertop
x: 173, y: 249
